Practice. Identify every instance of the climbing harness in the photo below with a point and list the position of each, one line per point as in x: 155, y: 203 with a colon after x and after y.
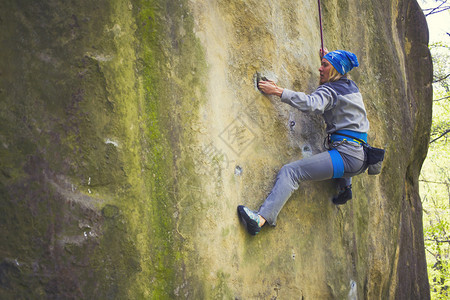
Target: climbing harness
x: 374, y: 156
x: 338, y: 138
x: 321, y: 30
x: 349, y: 135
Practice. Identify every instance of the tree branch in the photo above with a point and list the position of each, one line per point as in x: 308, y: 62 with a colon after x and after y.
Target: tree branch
x: 442, y: 135
x: 434, y: 255
x: 441, y: 79
x: 438, y: 241
x: 437, y: 182
x: 441, y: 99
x: 436, y: 9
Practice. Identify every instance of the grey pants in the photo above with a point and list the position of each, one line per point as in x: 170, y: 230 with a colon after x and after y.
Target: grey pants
x: 315, y: 168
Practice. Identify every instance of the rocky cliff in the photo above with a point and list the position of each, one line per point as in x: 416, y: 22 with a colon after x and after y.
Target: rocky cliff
x: 131, y: 130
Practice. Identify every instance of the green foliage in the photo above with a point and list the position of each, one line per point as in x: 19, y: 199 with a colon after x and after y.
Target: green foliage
x: 435, y: 179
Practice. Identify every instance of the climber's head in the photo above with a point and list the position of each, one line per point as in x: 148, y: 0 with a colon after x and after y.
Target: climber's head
x: 335, y: 64
x: 328, y: 72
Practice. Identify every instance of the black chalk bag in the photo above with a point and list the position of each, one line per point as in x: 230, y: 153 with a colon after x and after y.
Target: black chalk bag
x: 375, y: 157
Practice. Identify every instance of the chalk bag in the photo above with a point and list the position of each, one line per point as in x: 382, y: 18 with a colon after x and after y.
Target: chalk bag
x: 375, y: 157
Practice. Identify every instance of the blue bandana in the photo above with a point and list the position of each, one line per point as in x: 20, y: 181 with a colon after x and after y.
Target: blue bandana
x: 343, y: 61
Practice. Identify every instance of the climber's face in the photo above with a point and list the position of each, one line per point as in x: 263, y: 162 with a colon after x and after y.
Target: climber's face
x: 324, y: 71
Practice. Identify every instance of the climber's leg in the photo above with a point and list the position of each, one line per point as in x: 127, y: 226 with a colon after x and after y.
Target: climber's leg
x: 345, y: 191
x: 317, y: 167
x: 352, y: 167
x: 343, y: 182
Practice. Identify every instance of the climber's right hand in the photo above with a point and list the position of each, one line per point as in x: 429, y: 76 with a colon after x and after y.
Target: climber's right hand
x: 325, y: 52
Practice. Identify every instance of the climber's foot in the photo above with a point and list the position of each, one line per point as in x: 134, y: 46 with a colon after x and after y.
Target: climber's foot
x: 252, y: 221
x: 344, y: 195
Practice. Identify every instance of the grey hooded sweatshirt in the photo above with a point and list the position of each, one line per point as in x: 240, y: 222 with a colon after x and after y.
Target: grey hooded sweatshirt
x: 341, y: 105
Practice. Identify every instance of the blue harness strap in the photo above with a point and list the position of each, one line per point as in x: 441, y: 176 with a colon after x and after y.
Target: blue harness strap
x: 358, y: 135
x: 338, y: 163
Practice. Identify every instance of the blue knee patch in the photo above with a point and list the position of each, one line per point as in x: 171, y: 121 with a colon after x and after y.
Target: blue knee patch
x: 338, y: 163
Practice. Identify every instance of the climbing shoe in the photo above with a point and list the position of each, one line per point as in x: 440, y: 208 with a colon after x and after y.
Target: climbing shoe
x: 250, y: 219
x: 344, y: 195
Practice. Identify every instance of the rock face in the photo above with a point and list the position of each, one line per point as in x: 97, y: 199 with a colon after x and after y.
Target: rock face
x: 131, y: 130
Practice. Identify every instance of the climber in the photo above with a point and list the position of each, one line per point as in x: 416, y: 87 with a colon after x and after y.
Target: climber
x: 340, y: 103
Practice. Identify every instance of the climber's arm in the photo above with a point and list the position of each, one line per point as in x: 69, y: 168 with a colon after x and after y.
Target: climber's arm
x: 321, y: 100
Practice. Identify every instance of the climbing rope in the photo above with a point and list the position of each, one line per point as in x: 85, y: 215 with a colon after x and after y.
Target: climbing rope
x: 321, y: 30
